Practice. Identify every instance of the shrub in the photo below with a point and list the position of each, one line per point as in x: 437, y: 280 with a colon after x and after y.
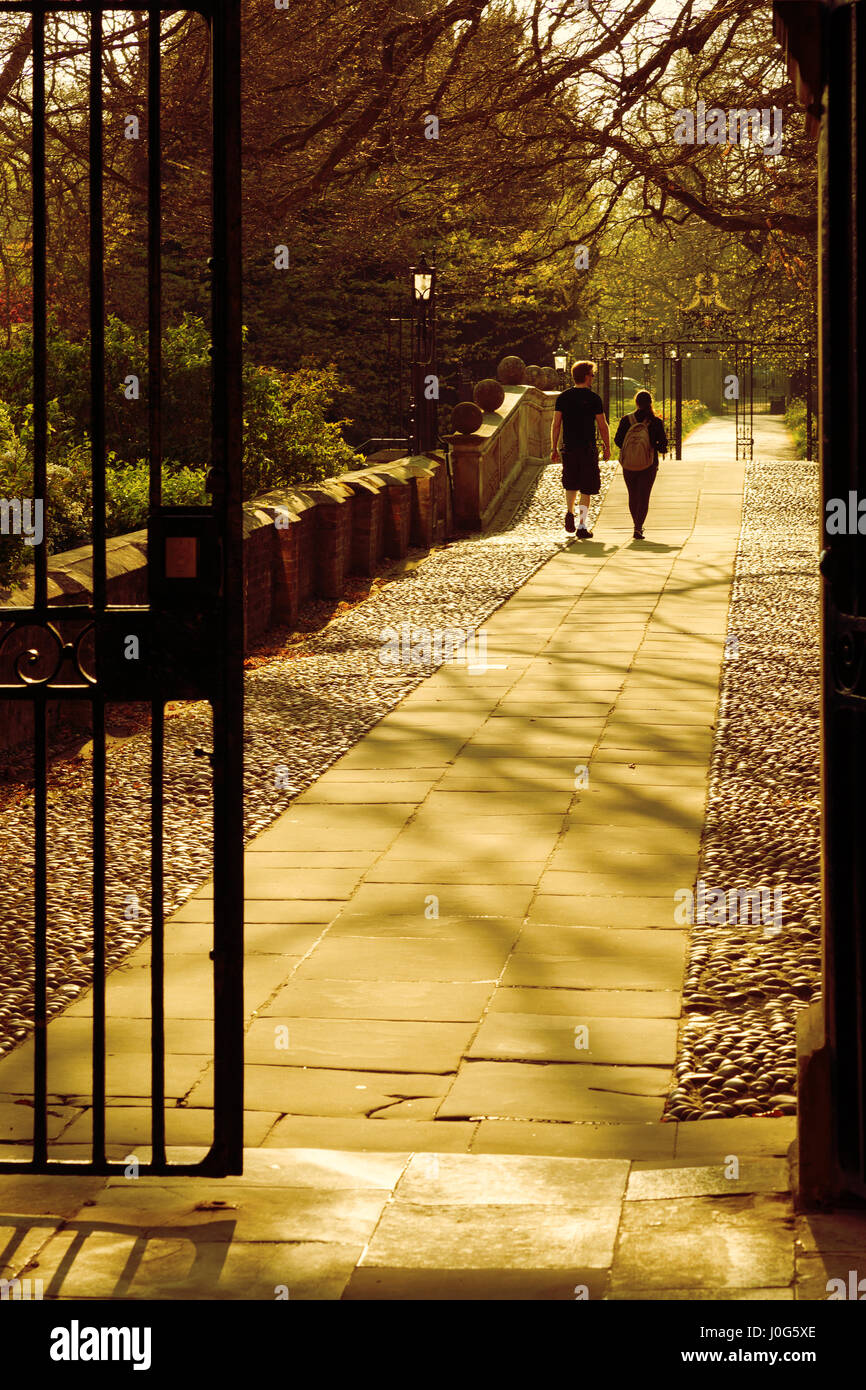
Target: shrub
x: 127, y: 493
x: 287, y: 439
x: 795, y: 423
x: 15, y: 481
x: 68, y: 505
x: 287, y: 436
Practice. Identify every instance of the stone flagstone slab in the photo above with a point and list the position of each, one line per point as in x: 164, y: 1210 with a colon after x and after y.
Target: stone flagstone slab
x: 415, y: 1236
x: 360, y: 1045
x: 586, y: 1003
x: 365, y: 999
x: 755, y: 1175
x: 413, y: 959
x: 493, y: 1179
x: 323, y: 1091
x: 623, y: 911
x: 597, y: 958
x: 584, y: 1140
x: 398, y: 1135
x: 515, y: 1090
x: 575, y: 1038
x: 704, y: 1242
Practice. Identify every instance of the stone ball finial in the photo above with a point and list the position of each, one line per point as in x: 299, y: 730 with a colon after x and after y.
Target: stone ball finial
x: 511, y: 370
x: 550, y: 379
x: 489, y: 394
x: 533, y: 374
x: 466, y: 417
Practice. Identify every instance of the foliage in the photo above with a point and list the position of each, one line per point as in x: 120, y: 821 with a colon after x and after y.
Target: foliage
x: 68, y: 505
x: 287, y: 437
x: 695, y: 413
x: 555, y: 132
x: 795, y: 423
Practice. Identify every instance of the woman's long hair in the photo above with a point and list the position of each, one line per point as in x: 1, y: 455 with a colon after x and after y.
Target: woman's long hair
x: 644, y: 402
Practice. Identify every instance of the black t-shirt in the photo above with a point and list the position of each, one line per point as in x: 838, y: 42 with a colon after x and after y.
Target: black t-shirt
x: 579, y: 406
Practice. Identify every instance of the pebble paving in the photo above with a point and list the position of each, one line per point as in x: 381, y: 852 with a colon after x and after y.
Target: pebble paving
x: 747, y: 979
x: 302, y: 713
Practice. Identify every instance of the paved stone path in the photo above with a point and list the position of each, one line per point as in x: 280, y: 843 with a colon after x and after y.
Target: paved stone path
x: 463, y: 985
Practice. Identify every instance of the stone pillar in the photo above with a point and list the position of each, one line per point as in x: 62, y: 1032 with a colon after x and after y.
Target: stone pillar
x: 466, y: 450
x: 287, y: 588
x: 398, y: 518
x: 368, y: 504
x: 333, y: 547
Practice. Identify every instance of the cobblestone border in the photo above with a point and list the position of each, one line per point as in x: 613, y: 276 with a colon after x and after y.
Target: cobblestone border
x: 747, y: 980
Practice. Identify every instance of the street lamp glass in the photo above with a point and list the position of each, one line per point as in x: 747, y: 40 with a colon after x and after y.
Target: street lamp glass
x: 560, y: 360
x: 423, y: 284
x: 646, y: 359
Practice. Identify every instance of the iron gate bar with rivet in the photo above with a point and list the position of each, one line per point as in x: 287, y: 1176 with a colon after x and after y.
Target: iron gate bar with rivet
x: 190, y: 631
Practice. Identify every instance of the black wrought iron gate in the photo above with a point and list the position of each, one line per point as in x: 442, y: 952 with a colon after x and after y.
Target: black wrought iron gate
x: 669, y: 356
x: 189, y: 635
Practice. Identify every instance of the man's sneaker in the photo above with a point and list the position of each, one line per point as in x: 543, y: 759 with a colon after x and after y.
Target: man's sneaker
x: 569, y: 523
x: 583, y: 534
x: 638, y: 535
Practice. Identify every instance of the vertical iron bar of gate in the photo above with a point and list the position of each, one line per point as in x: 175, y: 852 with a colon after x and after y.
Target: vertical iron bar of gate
x: 97, y: 456
x: 843, y: 753
x: 228, y: 902
x: 737, y: 399
x: 40, y: 449
x: 157, y: 712
x: 389, y: 369
x: 678, y: 406
x: 809, y: 430
x: 402, y: 410
x: 751, y: 399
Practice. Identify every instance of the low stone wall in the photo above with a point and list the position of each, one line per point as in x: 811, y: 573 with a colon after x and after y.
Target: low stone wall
x: 305, y: 542
x: 301, y: 543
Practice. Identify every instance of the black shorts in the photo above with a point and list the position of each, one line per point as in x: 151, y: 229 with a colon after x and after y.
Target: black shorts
x: 580, y: 470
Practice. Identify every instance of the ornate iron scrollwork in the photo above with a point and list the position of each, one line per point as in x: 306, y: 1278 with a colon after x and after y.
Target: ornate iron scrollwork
x: 50, y: 646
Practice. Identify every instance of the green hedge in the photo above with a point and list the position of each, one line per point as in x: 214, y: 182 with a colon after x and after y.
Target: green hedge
x: 795, y: 422
x: 288, y: 438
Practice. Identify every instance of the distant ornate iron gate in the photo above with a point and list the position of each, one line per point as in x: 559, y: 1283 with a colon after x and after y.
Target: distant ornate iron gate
x: 669, y: 355
x: 190, y: 633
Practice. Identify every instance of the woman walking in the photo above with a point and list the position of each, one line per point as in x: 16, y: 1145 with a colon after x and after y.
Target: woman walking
x: 641, y: 438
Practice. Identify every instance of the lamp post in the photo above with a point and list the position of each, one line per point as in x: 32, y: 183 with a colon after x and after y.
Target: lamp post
x: 425, y: 382
x: 560, y: 362
x: 618, y: 357
x: 678, y: 402
x: 647, y: 374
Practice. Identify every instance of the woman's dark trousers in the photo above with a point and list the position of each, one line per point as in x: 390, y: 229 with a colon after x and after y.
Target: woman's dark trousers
x: 640, y: 485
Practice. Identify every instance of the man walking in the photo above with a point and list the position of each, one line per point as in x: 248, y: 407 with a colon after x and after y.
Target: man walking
x: 575, y: 416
